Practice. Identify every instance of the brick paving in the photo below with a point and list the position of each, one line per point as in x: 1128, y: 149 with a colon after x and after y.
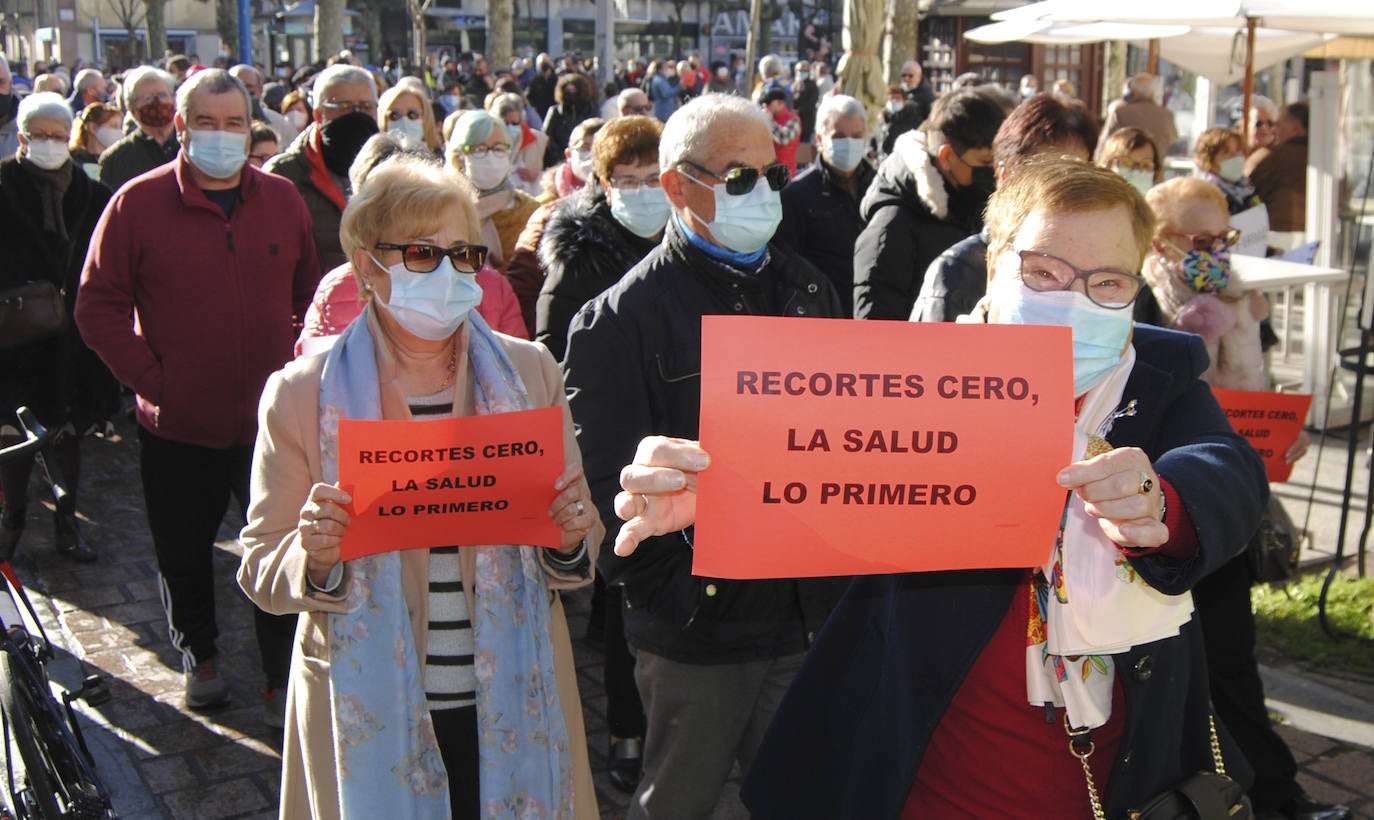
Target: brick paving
x: 162, y: 761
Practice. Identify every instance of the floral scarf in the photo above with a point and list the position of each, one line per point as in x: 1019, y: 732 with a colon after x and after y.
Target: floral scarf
x: 387, y: 759
x: 1089, y: 603
x: 1239, y: 194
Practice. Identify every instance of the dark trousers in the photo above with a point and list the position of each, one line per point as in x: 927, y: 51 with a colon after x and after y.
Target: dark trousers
x: 186, y: 489
x: 456, y: 732
x: 624, y: 710
x: 1223, y: 606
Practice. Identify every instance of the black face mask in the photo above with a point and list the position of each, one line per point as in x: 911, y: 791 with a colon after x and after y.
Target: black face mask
x: 343, y: 138
x: 984, y: 180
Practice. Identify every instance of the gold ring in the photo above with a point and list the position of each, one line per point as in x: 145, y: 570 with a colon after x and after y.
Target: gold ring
x: 580, y: 508
x: 1146, y: 484
x: 315, y: 526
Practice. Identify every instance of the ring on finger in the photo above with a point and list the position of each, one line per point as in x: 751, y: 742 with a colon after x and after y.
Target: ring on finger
x: 643, y: 502
x: 581, y: 508
x: 315, y: 526
x: 1146, y: 483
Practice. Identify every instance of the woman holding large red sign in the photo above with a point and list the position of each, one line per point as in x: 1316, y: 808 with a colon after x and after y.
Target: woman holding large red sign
x: 1073, y: 689
x: 426, y: 682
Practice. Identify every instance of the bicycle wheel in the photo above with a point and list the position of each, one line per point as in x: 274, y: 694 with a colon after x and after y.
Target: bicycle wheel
x: 21, y: 713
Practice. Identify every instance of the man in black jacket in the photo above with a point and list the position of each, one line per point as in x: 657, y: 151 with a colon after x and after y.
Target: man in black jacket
x: 929, y: 194
x: 148, y: 99
x: 713, y: 656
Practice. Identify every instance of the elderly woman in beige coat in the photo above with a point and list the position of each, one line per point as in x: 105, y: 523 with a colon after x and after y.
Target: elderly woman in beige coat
x: 425, y: 682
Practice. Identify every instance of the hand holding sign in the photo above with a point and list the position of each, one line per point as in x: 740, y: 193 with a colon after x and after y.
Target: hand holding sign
x: 660, y: 490
x: 322, y: 526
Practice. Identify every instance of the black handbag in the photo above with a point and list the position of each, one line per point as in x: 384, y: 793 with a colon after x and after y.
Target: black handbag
x: 1203, y: 796
x: 1273, y: 551
x: 31, y: 312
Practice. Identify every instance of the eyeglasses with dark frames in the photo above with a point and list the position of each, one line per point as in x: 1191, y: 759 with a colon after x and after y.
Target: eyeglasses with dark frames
x: 395, y: 116
x: 742, y: 179
x: 1209, y: 241
x: 421, y: 258
x: 1107, y: 288
x: 483, y: 150
x: 368, y: 107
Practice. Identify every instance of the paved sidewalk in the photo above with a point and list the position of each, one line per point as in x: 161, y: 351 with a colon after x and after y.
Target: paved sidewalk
x: 164, y: 762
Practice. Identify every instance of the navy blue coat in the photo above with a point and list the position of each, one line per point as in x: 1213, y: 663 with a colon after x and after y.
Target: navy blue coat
x: 851, y: 732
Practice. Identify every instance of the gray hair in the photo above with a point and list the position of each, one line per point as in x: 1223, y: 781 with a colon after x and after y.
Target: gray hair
x: 243, y: 68
x: 84, y: 79
x: 503, y: 104
x: 215, y: 81
x: 836, y: 107
x: 691, y: 126
x: 45, y: 105
x: 341, y: 73
x: 380, y: 147
x: 1141, y: 85
x: 771, y: 65
x: 623, y: 99
x: 138, y: 77
x: 1259, y: 102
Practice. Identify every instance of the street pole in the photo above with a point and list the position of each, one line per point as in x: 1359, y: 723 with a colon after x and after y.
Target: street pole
x: 605, y: 41
x: 245, y: 32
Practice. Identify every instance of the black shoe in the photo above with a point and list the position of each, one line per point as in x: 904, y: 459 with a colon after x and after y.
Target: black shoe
x: 11, y: 527
x: 1305, y: 808
x: 627, y: 759
x: 70, y: 543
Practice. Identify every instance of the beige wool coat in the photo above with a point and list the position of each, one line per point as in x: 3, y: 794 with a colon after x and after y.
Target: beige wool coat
x: 286, y: 464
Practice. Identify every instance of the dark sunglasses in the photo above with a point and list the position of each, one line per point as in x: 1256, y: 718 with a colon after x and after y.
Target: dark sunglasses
x: 741, y: 180
x: 1209, y: 241
x: 419, y: 258
x: 639, y: 109
x: 1264, y: 123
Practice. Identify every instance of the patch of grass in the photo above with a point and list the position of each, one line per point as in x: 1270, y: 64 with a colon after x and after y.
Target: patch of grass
x: 1286, y: 619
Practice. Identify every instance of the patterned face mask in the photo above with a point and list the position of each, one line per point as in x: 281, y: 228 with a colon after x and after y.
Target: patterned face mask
x: 1205, y: 271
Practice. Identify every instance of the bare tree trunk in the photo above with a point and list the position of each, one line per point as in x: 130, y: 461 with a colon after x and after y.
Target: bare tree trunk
x: 156, y: 17
x: 329, y: 15
x: 500, y: 32
x: 227, y: 25
x: 372, y: 30
x: 903, y: 40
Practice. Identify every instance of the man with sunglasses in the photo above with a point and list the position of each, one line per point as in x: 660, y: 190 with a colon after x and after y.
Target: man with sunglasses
x: 195, y: 274
x: 713, y: 656
x: 1279, y: 172
x: 928, y: 195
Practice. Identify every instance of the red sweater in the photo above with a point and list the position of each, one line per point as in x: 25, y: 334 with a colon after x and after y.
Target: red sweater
x: 212, y: 299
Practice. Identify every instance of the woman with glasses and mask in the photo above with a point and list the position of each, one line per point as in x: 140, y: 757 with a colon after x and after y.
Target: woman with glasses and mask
x: 425, y: 682
x: 96, y: 128
x: 48, y: 209
x: 952, y: 694
x: 402, y: 110
x: 1220, y: 160
x: 527, y: 144
x: 1189, y: 271
x: 480, y: 148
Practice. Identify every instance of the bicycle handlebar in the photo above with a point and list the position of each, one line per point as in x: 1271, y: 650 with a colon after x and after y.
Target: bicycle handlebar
x: 35, y: 437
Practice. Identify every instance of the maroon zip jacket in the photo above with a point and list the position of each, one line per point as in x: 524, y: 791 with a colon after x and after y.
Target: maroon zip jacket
x: 191, y: 310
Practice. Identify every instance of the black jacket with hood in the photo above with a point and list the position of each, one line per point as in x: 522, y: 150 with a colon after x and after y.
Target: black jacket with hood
x: 913, y: 215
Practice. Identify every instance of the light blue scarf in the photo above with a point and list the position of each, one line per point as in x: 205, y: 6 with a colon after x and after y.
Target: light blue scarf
x: 386, y: 757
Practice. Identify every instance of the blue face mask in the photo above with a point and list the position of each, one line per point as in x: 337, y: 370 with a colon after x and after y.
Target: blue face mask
x: 412, y: 130
x: 516, y: 135
x: 218, y: 154
x: 743, y: 224
x: 643, y: 212
x: 1100, y: 334
x: 845, y: 153
x: 431, y: 305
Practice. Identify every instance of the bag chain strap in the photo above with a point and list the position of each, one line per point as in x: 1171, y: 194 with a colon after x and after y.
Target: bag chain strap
x: 1081, y: 746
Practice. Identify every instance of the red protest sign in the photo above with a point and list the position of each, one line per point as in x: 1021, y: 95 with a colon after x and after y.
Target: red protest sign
x: 441, y: 482
x: 1271, y: 423
x: 841, y: 447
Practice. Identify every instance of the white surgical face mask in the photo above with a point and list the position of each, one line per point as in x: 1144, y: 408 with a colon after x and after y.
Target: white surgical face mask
x: 218, y: 154
x: 431, y: 305
x: 845, y: 153
x: 1141, y: 180
x: 643, y: 212
x: 581, y: 163
x: 108, y: 136
x: 744, y: 224
x: 47, y: 154
x: 411, y: 130
x: 297, y: 119
x: 1232, y: 169
x: 488, y: 172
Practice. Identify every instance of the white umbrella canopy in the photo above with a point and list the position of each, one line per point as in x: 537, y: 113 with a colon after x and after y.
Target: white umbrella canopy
x: 861, y: 68
x: 1324, y: 16
x: 1219, y: 53
x: 1045, y: 32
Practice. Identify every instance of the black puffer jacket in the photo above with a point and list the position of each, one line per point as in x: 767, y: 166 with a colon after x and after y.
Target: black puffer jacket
x: 60, y: 379
x: 913, y: 216
x: 633, y: 369
x: 584, y: 251
x: 821, y: 222
x: 955, y: 281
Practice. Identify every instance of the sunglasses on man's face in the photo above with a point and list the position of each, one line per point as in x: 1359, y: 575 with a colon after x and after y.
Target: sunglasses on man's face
x: 741, y: 180
x: 420, y: 258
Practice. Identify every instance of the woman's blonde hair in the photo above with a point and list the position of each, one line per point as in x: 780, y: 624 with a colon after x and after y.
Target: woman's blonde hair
x: 1058, y: 185
x: 1212, y: 142
x: 1168, y: 199
x: 405, y: 197
x: 426, y: 113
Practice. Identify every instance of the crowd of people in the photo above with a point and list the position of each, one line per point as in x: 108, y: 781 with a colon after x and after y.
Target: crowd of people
x: 254, y: 261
